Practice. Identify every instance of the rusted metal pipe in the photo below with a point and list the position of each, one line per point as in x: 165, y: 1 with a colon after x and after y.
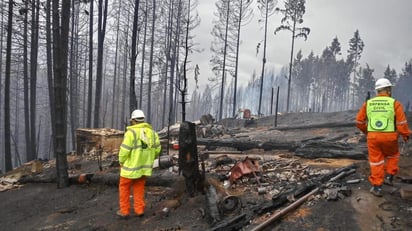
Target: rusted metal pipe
x: 225, y: 202
x: 284, y: 211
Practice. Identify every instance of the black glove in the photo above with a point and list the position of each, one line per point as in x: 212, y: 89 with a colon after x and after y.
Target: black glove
x: 405, y: 138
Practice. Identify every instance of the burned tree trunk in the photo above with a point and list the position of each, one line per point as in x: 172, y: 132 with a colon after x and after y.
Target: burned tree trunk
x: 188, y: 158
x: 327, y: 149
x: 318, y: 147
x: 110, y: 179
x: 246, y: 144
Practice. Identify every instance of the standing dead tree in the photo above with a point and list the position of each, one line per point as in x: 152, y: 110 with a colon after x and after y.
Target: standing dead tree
x: 133, y: 56
x: 102, y: 17
x: 266, y: 7
x: 60, y: 25
x: 7, y: 133
x: 293, y: 16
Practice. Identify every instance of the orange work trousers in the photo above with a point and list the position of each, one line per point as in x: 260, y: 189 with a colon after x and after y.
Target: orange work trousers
x: 137, y: 185
x: 384, y: 155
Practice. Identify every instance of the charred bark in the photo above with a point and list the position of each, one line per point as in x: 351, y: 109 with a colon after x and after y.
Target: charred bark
x: 322, y: 125
x: 110, y: 179
x: 188, y: 158
x: 312, y: 148
x: 327, y: 149
x: 244, y: 144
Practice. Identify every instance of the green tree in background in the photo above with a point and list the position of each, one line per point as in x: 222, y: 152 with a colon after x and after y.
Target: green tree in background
x: 402, y: 91
x: 356, y: 46
x: 390, y: 74
x: 366, y: 85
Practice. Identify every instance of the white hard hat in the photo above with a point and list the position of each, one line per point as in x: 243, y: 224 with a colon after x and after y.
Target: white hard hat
x: 382, y: 83
x: 138, y: 115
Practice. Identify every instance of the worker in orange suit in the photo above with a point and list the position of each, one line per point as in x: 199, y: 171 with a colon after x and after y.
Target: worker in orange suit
x: 139, y: 149
x: 383, y: 120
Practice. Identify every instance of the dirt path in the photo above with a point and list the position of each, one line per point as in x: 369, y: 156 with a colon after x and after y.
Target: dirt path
x: 372, y: 213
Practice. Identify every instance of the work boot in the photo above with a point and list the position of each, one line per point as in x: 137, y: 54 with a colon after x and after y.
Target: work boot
x: 388, y: 180
x: 138, y: 215
x: 376, y: 191
x: 121, y: 215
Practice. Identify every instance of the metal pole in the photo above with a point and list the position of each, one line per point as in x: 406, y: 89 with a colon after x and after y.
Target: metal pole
x: 277, y: 106
x: 271, y: 103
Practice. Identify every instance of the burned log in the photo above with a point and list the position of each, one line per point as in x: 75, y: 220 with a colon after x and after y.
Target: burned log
x: 84, y: 178
x: 111, y: 179
x: 246, y: 144
x: 310, y: 148
x: 322, y: 125
x: 327, y: 149
x: 38, y: 178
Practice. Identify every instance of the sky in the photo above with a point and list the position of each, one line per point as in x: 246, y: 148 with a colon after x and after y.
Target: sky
x: 384, y: 26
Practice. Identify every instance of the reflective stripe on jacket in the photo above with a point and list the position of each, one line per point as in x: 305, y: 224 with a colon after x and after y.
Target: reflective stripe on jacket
x: 381, y: 114
x: 138, y: 150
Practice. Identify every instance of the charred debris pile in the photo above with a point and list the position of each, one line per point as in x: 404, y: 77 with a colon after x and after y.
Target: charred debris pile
x: 250, y: 171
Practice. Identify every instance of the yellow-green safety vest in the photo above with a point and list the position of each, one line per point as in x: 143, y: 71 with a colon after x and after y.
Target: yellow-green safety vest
x: 381, y: 114
x: 140, y: 146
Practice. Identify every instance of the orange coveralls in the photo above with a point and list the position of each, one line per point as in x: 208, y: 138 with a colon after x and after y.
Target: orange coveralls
x: 383, y: 145
x: 137, y: 186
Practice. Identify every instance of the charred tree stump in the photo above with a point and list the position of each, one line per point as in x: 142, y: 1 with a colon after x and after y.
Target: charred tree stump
x: 188, y: 158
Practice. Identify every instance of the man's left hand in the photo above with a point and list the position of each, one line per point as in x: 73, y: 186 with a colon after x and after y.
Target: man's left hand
x: 406, y: 139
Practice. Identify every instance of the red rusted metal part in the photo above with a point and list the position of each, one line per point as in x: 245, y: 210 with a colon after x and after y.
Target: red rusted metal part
x: 245, y: 167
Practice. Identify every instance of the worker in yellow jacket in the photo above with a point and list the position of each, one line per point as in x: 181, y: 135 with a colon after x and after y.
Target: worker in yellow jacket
x: 139, y: 149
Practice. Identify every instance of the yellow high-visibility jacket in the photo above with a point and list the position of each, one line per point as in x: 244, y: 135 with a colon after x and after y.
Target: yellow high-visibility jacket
x: 140, y: 146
